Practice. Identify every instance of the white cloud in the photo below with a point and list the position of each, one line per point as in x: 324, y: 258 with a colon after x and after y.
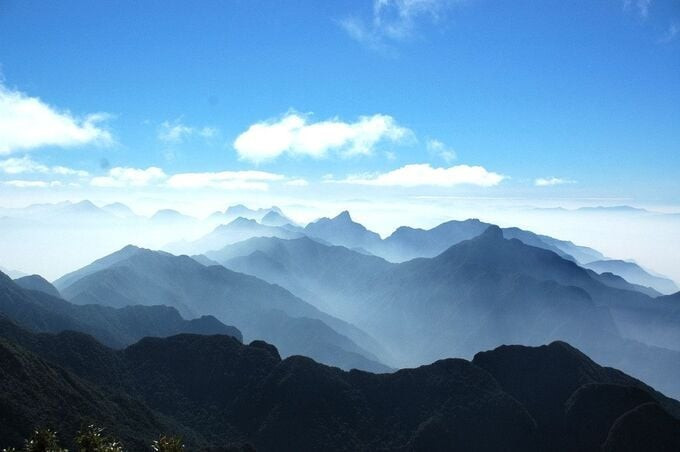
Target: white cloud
x: 297, y: 183
x: 27, y: 123
x: 176, y: 131
x: 422, y: 174
x: 129, y: 177
x: 173, y: 132
x: 441, y: 150
x: 549, y: 181
x: 25, y: 164
x: 65, y: 171
x: 208, y: 132
x: 294, y: 134
x: 393, y: 20
x: 32, y: 183
x: 228, y: 180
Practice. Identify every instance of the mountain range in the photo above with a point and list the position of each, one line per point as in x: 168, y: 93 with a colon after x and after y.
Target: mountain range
x: 479, y: 293
x: 215, y: 391
x: 633, y: 273
x: 135, y: 276
x: 141, y: 342
x: 40, y: 311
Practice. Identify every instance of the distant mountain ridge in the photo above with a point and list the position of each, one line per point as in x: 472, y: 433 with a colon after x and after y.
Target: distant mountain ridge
x: 41, y: 312
x: 479, y: 293
x: 259, y: 309
x: 635, y: 274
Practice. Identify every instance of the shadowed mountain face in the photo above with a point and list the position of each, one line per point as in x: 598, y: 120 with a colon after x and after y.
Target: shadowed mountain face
x: 37, y: 282
x: 261, y: 310
x: 635, y: 274
x: 217, y: 391
x: 115, y: 327
x: 570, y: 396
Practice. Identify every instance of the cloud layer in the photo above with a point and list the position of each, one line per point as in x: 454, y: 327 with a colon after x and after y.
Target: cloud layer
x: 422, y: 174
x: 229, y: 180
x: 28, y: 123
x: 129, y: 177
x: 26, y: 165
x: 550, y: 181
x: 294, y: 134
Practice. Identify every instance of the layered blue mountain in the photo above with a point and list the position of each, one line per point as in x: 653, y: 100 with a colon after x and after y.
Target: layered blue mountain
x: 135, y: 276
x: 635, y: 274
x: 478, y: 294
x: 342, y: 230
x: 37, y: 282
x: 276, y: 218
x: 239, y: 210
x: 236, y: 231
x: 39, y: 311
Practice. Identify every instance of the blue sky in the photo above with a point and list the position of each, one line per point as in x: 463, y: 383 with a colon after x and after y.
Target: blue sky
x: 545, y: 99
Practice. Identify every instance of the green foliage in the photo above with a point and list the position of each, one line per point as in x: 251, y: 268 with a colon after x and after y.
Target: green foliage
x: 168, y: 444
x: 91, y: 439
x: 43, y: 440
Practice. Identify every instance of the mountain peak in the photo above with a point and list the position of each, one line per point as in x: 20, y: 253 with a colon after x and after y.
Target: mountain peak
x: 242, y: 221
x: 493, y: 232
x: 344, y: 216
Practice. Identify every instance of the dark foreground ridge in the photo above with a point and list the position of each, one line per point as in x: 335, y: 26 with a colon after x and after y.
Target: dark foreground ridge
x: 215, y: 391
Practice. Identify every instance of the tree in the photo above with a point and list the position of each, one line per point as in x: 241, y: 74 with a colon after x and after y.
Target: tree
x: 168, y: 444
x: 91, y: 439
x: 43, y: 440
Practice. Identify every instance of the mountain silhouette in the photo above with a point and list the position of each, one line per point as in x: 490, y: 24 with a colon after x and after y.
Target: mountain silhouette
x: 217, y: 391
x: 37, y: 282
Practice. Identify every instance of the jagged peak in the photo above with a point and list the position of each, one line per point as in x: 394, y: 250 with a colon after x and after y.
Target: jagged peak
x: 493, y: 232
x: 242, y: 221
x: 344, y: 216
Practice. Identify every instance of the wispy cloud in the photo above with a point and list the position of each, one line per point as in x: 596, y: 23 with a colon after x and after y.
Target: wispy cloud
x: 27, y: 123
x: 297, y: 183
x: 549, y: 181
x: 295, y: 134
x: 441, y: 150
x: 640, y: 6
x: 393, y: 20
x: 422, y: 174
x: 129, y: 177
x: 26, y: 165
x: 176, y: 131
x: 671, y: 34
